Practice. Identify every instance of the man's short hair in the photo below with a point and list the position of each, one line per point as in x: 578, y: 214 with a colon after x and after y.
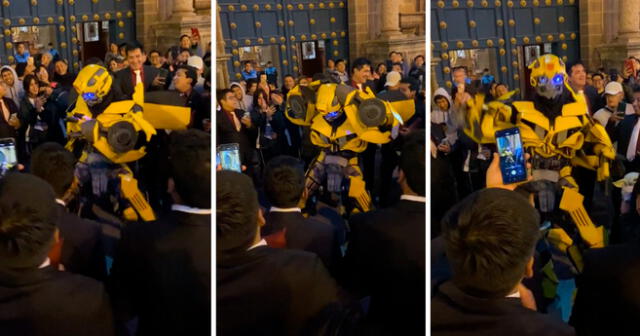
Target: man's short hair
x: 490, y: 238
x: 414, y: 85
x: 340, y: 61
x: 570, y: 66
x: 6, y: 70
x: 221, y: 93
x: 154, y: 51
x: 412, y: 162
x: 359, y: 63
x: 250, y: 82
x: 183, y: 36
x: 133, y: 46
x: 54, y: 164
x: 289, y: 75
x: 391, y: 53
x: 236, y: 211
x: 190, y: 72
x: 597, y: 74
x: 284, y: 181
x: 458, y: 68
x: 27, y: 220
x: 190, y: 161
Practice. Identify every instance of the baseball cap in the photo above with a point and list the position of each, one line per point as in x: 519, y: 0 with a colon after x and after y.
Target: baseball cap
x: 196, y: 62
x: 393, y: 78
x: 613, y: 88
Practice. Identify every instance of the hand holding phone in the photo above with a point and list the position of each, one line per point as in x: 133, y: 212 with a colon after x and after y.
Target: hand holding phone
x: 8, y: 156
x: 511, y: 158
x: 229, y: 157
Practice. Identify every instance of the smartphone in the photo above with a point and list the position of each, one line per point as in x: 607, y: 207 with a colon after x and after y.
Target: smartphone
x: 229, y: 157
x: 163, y: 73
x: 8, y: 156
x: 511, y: 151
x: 30, y: 60
x: 628, y: 64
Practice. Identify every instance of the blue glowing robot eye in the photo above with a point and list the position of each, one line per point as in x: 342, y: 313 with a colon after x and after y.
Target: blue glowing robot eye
x: 89, y: 96
x: 557, y: 79
x: 332, y: 115
x: 542, y: 80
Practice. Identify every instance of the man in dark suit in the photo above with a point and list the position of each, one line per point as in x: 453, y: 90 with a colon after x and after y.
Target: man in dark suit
x: 162, y: 270
x: 489, y: 241
x: 36, y: 298
x: 284, y: 186
x: 263, y: 290
x: 82, y: 250
x: 385, y: 258
x: 234, y: 126
x: 126, y: 79
x: 185, y: 81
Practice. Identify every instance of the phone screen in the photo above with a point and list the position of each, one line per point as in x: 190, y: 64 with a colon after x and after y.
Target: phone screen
x: 511, y: 152
x: 8, y: 157
x: 229, y: 157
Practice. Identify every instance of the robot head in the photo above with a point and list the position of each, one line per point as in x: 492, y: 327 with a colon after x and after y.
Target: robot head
x: 548, y: 76
x: 93, y: 84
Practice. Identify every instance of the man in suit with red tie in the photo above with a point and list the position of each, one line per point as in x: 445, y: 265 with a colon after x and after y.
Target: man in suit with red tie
x: 127, y: 79
x: 233, y: 126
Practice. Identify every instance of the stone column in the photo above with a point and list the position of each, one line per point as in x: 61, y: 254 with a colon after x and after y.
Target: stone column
x: 183, y: 8
x: 390, y: 18
x: 222, y: 72
x: 434, y: 81
x: 629, y: 17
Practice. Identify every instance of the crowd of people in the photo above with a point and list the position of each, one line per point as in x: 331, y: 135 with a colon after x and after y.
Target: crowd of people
x: 65, y: 267
x: 287, y: 264
x: 487, y: 276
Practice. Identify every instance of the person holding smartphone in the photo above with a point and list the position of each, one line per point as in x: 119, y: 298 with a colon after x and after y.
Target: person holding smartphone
x: 615, y: 109
x: 9, y: 122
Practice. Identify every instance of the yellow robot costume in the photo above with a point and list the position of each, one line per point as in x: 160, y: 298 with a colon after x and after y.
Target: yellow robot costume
x: 342, y: 121
x: 559, y: 134
x: 115, y: 133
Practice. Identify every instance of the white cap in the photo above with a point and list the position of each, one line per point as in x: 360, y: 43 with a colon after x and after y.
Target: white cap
x: 196, y: 62
x: 393, y: 78
x: 613, y: 88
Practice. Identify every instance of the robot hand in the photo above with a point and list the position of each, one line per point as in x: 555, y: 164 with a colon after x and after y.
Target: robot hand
x: 571, y: 202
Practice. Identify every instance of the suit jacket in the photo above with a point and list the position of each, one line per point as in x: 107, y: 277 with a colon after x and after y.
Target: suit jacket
x: 123, y: 81
x: 82, y: 251
x: 386, y: 260
x: 453, y: 312
x: 45, y: 301
x: 268, y: 291
x: 227, y: 133
x: 622, y: 133
x: 162, y: 274
x: 608, y: 296
x: 305, y: 234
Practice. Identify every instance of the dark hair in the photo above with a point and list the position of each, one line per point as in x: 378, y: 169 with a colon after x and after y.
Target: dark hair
x: 573, y: 64
x: 54, y: 164
x: 246, y: 62
x: 412, y: 162
x: 221, y: 93
x: 154, y: 51
x: 289, y: 75
x: 19, y: 44
x: 340, y: 61
x: 191, y: 73
x: 391, y: 53
x: 133, y: 46
x: 190, y: 161
x: 490, y: 237
x: 420, y: 56
x: 379, y: 65
x: 250, y: 82
x: 414, y: 85
x: 236, y: 211
x: 5, y: 70
x: 183, y: 36
x: 284, y: 181
x: 27, y: 220
x: 359, y: 63
x: 597, y: 74
x: 27, y: 81
x: 461, y: 67
x: 94, y: 60
x: 257, y: 94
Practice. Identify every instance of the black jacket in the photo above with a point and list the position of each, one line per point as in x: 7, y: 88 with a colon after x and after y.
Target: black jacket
x: 608, y: 298
x: 453, y: 312
x: 7, y: 131
x: 226, y: 133
x: 82, y: 250
x: 123, y: 81
x: 386, y: 260
x: 162, y: 274
x: 268, y: 291
x: 305, y: 234
x: 48, y: 302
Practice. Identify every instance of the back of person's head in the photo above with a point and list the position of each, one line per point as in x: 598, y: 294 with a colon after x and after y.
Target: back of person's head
x: 412, y: 162
x: 236, y: 211
x: 284, y: 181
x: 94, y: 60
x: 490, y: 238
x: 54, y: 164
x: 28, y: 219
x: 190, y: 160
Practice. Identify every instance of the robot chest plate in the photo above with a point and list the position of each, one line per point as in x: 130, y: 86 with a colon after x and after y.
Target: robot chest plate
x: 340, y: 137
x: 561, y: 137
